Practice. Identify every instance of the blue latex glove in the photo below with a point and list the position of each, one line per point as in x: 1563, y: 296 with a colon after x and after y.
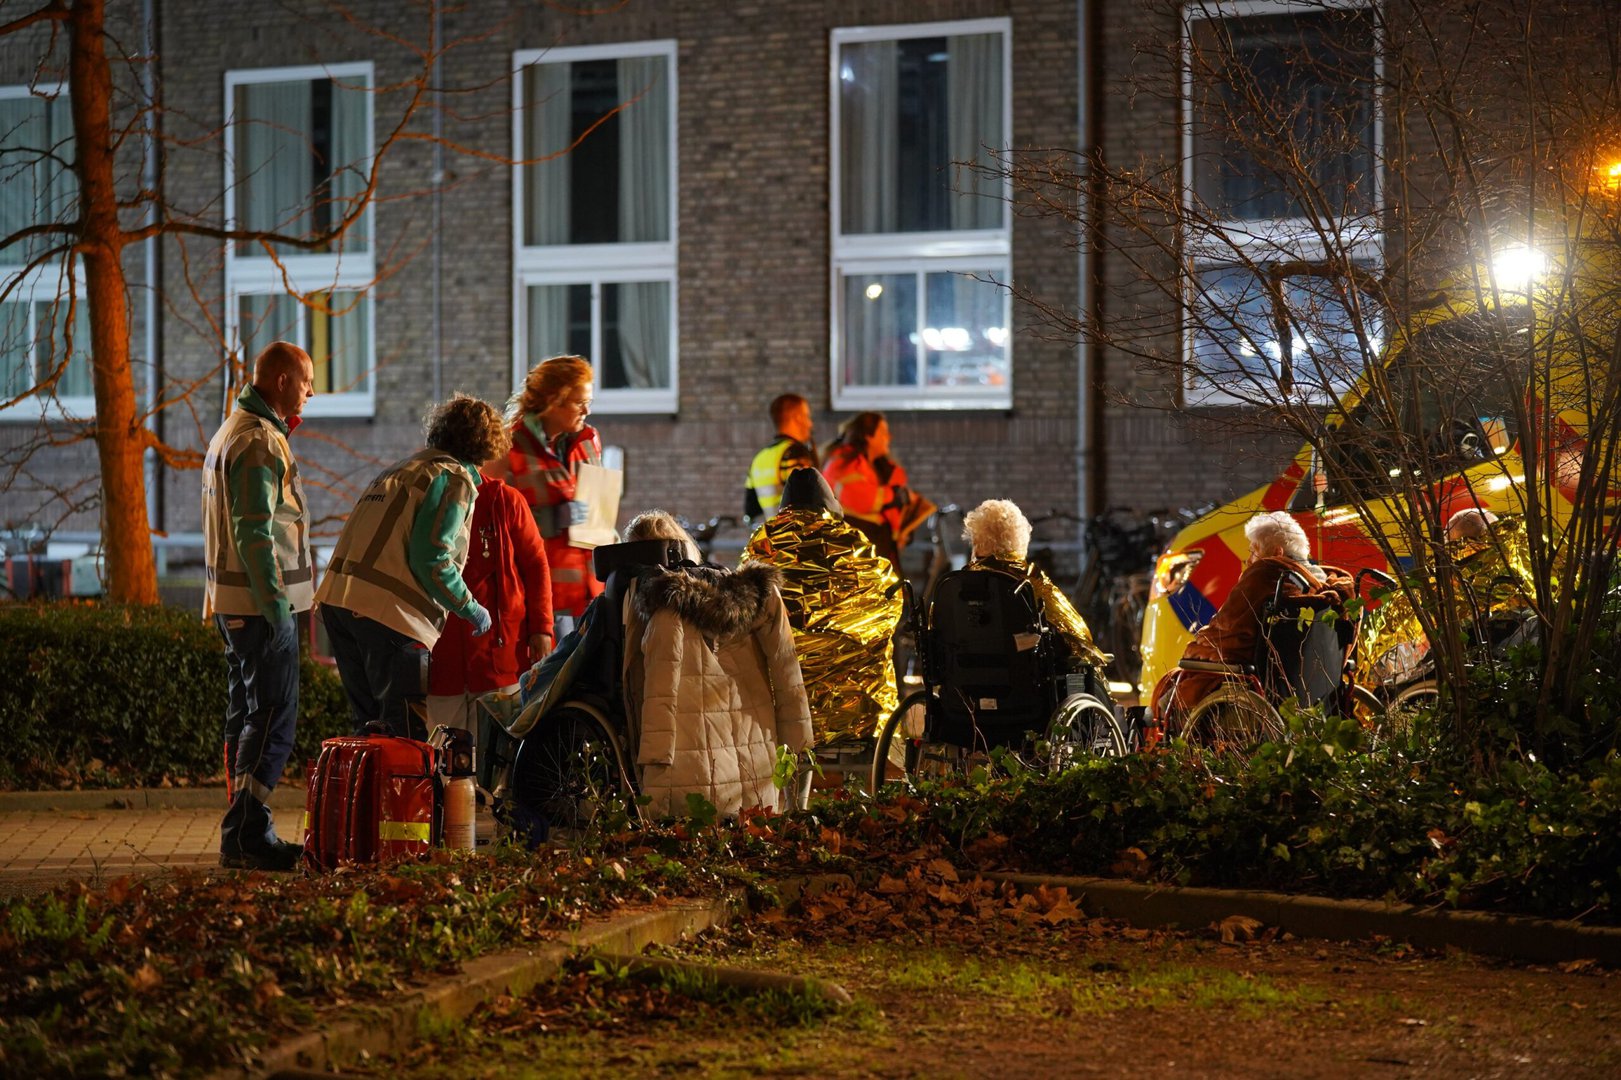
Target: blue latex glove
x: 573, y: 512
x: 480, y: 618
x: 283, y: 634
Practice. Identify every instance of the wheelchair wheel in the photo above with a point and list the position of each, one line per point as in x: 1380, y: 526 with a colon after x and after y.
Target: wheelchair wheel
x: 1233, y: 717
x: 1082, y: 725
x: 1421, y: 697
x: 903, y: 752
x: 565, y: 772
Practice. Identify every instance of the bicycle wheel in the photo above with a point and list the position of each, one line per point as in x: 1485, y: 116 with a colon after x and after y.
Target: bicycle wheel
x: 1082, y: 725
x: 565, y: 773
x: 1233, y: 718
x: 1419, y: 699
x: 904, y: 753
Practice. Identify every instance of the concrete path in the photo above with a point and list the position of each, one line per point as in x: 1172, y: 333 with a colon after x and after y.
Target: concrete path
x: 51, y: 838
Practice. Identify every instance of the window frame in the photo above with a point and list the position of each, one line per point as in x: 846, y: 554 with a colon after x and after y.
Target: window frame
x: 1243, y: 242
x: 595, y: 265
x: 26, y: 288
x: 920, y: 253
x: 261, y: 275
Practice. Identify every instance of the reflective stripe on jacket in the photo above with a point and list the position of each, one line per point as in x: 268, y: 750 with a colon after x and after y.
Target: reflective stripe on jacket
x: 397, y: 568
x: 546, y: 481
x: 255, y: 520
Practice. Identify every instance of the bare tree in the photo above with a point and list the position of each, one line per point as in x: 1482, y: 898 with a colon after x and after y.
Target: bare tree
x: 1392, y: 230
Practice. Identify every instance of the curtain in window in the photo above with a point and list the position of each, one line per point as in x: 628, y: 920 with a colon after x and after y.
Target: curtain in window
x: 350, y: 160
x: 350, y: 329
x: 974, y: 123
x: 274, y: 169
x: 548, y: 321
x: 546, y: 124
x: 263, y: 318
x: 868, y: 108
x: 644, y: 333
x: 16, y: 374
x: 644, y: 150
x: 23, y: 140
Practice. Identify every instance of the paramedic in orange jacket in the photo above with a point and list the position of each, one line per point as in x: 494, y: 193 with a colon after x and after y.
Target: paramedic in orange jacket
x: 550, y: 439
x: 870, y: 487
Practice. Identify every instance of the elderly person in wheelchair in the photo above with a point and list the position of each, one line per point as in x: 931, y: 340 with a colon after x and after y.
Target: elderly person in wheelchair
x: 1221, y: 691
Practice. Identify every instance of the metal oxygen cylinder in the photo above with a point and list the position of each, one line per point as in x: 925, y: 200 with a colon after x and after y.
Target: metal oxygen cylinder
x: 456, y: 778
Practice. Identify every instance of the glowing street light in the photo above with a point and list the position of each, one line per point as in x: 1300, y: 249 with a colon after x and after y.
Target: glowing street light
x: 1518, y: 267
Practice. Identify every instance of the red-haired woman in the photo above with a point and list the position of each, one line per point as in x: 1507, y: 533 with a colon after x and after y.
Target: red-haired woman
x: 550, y: 439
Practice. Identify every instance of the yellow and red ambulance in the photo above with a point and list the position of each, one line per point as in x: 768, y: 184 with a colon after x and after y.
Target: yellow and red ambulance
x: 1425, y: 378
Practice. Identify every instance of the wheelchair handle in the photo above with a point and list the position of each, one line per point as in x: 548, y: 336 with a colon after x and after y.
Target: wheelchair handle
x: 1379, y: 578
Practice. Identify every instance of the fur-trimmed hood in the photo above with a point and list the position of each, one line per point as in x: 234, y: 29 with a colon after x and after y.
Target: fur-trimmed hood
x: 722, y: 604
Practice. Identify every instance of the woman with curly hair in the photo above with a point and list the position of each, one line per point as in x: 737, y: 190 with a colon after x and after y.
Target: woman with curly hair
x: 550, y: 439
x: 397, y: 569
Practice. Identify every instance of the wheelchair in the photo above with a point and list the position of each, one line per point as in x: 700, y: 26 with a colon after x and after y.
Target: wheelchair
x: 555, y: 762
x: 995, y: 676
x: 1306, y: 652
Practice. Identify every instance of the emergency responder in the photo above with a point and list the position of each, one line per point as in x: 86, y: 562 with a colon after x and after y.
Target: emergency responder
x: 791, y: 449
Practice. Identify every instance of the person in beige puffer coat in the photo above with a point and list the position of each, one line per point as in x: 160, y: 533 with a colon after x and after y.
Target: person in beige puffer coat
x: 712, y: 678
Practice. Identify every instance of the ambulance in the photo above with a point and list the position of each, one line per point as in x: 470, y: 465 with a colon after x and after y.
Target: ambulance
x: 1428, y: 431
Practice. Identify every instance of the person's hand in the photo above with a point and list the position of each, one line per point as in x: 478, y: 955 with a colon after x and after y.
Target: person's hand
x: 283, y: 633
x: 573, y: 512
x: 480, y: 618
x: 540, y: 646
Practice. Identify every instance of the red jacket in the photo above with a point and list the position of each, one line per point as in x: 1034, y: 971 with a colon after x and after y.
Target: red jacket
x: 507, y: 572
x: 546, y: 481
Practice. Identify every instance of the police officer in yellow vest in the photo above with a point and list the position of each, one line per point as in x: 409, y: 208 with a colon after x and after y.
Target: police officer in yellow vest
x: 257, y: 551
x: 397, y: 569
x: 792, y: 449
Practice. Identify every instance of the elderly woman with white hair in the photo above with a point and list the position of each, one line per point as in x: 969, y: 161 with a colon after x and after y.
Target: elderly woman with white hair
x: 1000, y: 536
x: 1279, y: 562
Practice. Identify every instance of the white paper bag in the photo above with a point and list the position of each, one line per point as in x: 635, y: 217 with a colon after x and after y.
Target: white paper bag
x: 599, y: 489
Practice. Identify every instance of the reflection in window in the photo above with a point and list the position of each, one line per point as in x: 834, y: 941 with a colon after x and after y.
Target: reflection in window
x: 961, y: 340
x: 37, y: 182
x: 1236, y: 338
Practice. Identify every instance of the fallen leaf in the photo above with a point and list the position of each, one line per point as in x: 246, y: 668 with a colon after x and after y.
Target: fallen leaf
x: 1570, y: 967
x: 1236, y: 928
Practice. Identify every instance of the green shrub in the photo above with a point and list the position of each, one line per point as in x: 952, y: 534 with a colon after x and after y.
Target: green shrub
x: 103, y: 695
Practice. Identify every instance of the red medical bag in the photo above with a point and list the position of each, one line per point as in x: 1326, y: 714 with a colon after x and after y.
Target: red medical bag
x: 371, y: 798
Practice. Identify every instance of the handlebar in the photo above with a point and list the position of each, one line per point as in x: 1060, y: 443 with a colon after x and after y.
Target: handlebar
x: 1379, y: 577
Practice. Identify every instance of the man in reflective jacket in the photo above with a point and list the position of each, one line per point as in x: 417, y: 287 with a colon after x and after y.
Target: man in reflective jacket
x: 792, y: 449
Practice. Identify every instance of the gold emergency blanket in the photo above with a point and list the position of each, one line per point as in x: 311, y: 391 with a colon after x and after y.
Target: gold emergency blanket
x: 1493, y: 581
x: 1056, y: 608
x: 843, y: 606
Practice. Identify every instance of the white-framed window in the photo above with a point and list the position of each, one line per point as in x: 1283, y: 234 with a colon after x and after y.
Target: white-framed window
x: 922, y: 233
x: 594, y: 218
x: 1283, y: 195
x: 44, y: 320
x: 298, y: 150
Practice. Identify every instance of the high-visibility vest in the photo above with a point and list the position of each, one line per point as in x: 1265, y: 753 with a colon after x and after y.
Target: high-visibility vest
x: 370, y: 573
x: 248, y: 440
x: 765, y: 475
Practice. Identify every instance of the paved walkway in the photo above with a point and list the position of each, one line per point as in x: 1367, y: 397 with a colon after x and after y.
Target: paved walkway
x: 51, y: 838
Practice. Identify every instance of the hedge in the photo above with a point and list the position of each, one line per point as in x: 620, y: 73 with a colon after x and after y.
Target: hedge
x: 99, y: 695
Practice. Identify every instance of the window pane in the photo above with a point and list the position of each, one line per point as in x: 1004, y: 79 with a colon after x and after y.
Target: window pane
x: 965, y: 337
x: 1236, y: 339
x: 559, y: 321
x: 909, y: 110
x: 339, y: 329
x: 1307, y: 81
x: 880, y: 338
x: 15, y: 369
x: 263, y: 319
x: 635, y: 336
x: 302, y: 153
x: 52, y: 344
x: 618, y: 114
x: 37, y: 183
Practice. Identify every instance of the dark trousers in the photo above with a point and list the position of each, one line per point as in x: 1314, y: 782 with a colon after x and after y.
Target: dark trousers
x: 383, y: 671
x: 261, y: 716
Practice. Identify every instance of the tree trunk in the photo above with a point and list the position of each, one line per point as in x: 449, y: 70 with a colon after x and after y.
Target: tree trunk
x: 120, y: 439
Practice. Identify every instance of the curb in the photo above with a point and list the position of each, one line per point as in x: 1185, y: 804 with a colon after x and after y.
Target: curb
x: 1515, y: 937
x: 375, y: 1030
x: 285, y: 797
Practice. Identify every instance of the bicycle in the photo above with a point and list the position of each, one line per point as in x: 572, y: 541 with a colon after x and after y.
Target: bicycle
x: 704, y: 534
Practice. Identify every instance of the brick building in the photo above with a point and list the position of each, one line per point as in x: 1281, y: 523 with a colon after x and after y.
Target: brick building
x: 760, y: 197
